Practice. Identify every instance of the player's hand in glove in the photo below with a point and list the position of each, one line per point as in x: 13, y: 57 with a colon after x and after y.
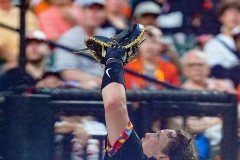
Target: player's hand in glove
x: 128, y: 40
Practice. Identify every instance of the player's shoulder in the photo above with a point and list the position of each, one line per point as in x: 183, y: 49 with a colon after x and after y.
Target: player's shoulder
x: 131, y: 149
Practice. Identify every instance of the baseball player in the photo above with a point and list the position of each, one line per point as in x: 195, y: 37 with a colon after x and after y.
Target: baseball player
x: 122, y: 141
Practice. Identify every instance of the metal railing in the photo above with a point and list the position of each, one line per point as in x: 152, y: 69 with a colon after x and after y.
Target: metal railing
x: 30, y: 118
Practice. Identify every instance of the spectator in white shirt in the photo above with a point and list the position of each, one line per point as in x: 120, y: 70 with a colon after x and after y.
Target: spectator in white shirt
x: 76, y: 68
x: 220, y: 51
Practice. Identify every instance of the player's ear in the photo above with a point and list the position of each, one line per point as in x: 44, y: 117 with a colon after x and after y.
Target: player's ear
x: 163, y: 157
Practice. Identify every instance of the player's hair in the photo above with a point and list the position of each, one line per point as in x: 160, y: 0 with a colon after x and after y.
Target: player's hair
x: 182, y: 147
x: 224, y: 5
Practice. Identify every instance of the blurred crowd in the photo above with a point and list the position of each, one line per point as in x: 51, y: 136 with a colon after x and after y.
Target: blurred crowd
x: 192, y: 44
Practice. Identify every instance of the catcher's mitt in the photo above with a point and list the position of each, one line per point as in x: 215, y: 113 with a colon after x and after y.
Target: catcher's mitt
x: 129, y: 39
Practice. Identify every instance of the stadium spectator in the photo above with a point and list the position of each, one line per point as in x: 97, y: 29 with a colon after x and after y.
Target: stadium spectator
x: 174, y: 23
x: 36, y: 73
x: 59, y: 17
x: 221, y: 51
x: 35, y: 76
x: 115, y: 22
x: 208, y: 129
x: 36, y: 52
x: 173, y: 18
x: 72, y: 125
x: 146, y: 13
x: 170, y: 54
x: 79, y: 68
x: 197, y: 70
x: 203, y: 16
x: 82, y: 128
x: 9, y: 41
x: 150, y: 63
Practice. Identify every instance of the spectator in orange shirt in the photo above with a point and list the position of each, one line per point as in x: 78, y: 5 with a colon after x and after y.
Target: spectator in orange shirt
x: 150, y: 63
x: 58, y: 18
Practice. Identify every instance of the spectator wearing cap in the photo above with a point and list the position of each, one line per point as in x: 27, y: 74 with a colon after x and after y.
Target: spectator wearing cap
x: 146, y: 13
x: 221, y: 50
x: 9, y: 41
x: 77, y: 68
x: 36, y: 51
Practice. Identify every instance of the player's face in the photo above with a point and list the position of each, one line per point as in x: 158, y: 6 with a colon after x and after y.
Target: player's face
x: 154, y: 143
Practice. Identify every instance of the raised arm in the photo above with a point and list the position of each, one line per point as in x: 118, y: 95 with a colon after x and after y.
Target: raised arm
x: 114, y: 54
x: 116, y: 114
x: 114, y: 95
